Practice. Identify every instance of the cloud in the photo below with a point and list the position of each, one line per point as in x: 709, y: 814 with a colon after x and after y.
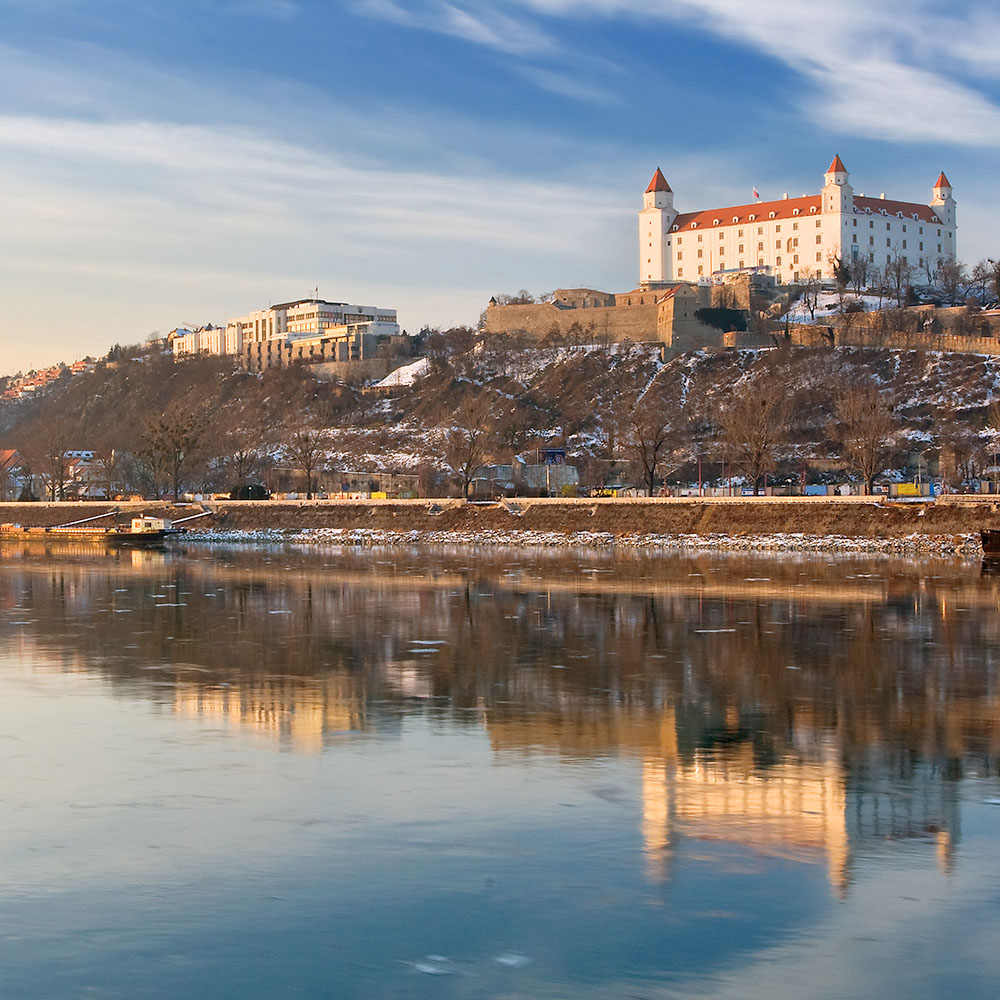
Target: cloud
x: 483, y: 25
x: 895, y: 70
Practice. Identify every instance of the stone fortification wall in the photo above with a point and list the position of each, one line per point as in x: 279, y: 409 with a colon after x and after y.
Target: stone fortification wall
x: 611, y: 323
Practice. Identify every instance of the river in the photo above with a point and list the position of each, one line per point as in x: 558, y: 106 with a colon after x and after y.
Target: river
x: 265, y: 772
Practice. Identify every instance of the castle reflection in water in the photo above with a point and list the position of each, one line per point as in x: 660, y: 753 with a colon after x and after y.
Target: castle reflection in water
x: 811, y: 709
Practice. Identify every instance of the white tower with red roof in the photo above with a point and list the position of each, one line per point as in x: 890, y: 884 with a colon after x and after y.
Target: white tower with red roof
x: 942, y: 202
x: 655, y: 219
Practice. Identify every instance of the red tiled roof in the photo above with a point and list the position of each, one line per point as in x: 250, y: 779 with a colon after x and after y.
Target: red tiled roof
x: 923, y: 212
x: 837, y: 166
x: 942, y: 181
x: 783, y: 209
x: 658, y: 183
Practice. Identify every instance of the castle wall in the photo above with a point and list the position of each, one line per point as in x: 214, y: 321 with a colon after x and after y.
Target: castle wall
x: 611, y: 323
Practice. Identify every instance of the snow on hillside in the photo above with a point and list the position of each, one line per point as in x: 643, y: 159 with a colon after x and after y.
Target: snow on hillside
x: 406, y: 375
x: 828, y: 303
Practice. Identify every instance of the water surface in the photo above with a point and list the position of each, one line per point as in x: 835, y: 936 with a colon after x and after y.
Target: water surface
x: 261, y: 773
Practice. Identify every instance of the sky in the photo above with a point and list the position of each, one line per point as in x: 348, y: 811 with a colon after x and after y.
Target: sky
x: 174, y: 162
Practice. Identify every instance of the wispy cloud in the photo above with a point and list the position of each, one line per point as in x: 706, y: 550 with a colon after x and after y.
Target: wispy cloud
x: 480, y: 24
x: 899, y: 69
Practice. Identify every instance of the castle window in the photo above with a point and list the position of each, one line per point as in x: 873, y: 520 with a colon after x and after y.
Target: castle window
x: 760, y: 247
x: 888, y: 226
x: 699, y: 253
x: 819, y: 256
x: 777, y: 244
x: 819, y: 237
x: 795, y: 211
x: 771, y: 215
x: 680, y: 254
x: 741, y: 264
x: 715, y: 222
x: 736, y: 219
x: 939, y: 232
x: 819, y: 223
x: 904, y: 229
x: 904, y: 244
x: 854, y: 238
x: 921, y: 230
x: 777, y: 228
x: 915, y: 216
x: 680, y: 272
x: 760, y: 230
x: 777, y: 260
x: 740, y: 233
x: 939, y: 248
x: 752, y: 217
x: 699, y: 237
x: 722, y: 251
x: 871, y: 241
x: 812, y: 210
x: 871, y: 225
x: 855, y: 223
x: 921, y: 246
x: 795, y: 225
x: 721, y: 234
x: 741, y: 248
x: 701, y: 270
x: 675, y: 228
x: 888, y: 242
x: 679, y: 238
x: 871, y: 258
x: 795, y: 259
x: 795, y: 241
x: 760, y: 261
x: 694, y: 225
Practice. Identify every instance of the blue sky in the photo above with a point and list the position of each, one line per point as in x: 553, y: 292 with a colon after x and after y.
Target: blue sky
x: 165, y: 162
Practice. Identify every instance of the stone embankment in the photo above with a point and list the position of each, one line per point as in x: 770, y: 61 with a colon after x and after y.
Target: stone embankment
x: 949, y: 526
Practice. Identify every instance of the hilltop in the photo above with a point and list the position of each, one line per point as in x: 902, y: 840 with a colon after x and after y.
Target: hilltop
x: 513, y: 398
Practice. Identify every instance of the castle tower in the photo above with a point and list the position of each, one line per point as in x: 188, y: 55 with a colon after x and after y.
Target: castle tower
x: 838, y: 195
x: 942, y: 202
x: 655, y: 219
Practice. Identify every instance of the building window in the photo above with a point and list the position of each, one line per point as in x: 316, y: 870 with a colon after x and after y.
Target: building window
x: 871, y: 241
x: 795, y: 241
x: 701, y: 270
x: 819, y: 256
x: 871, y: 258
x: 777, y: 244
x: 699, y: 253
x: 819, y: 237
x: 760, y: 261
x: 679, y: 240
x: 888, y: 226
x: 888, y: 242
x: 904, y: 229
x: 921, y: 246
x: 854, y: 238
x: 680, y: 272
x: 721, y: 234
x: 819, y: 222
x: 699, y: 237
x: 741, y: 264
x: 680, y: 254
x: 739, y: 233
x: 871, y: 224
x: 921, y: 230
x: 760, y: 231
x: 777, y: 228
x: 795, y: 259
x: 760, y: 247
x: 904, y: 244
x: 855, y: 221
x: 939, y: 232
x: 741, y: 248
x: 777, y: 261
x: 722, y: 251
x: 939, y: 248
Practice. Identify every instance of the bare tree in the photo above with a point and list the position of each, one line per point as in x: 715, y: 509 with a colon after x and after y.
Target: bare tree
x: 950, y: 279
x: 307, y: 445
x: 754, y: 424
x: 653, y: 428
x: 46, y: 452
x: 243, y: 446
x: 863, y: 425
x: 466, y: 443
x: 169, y: 446
x: 898, y: 275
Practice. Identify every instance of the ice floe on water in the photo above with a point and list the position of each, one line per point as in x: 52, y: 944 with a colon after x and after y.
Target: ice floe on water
x: 966, y: 544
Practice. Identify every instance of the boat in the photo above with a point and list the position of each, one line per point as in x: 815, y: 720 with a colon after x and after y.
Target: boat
x: 991, y: 541
x: 142, y: 531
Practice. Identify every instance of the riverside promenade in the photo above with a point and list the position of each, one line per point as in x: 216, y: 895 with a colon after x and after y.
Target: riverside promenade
x: 946, y: 525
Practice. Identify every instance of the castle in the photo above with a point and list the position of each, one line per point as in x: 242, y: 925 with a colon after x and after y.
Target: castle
x: 793, y: 238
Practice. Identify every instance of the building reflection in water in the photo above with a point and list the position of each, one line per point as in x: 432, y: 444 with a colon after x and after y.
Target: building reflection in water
x: 814, y: 710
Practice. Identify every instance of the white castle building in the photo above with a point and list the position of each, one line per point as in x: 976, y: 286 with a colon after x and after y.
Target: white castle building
x: 792, y: 238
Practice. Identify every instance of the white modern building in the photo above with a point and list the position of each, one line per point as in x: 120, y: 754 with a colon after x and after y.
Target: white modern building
x: 792, y: 238
x: 286, y: 323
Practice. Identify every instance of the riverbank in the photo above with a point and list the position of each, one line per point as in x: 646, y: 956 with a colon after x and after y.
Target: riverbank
x: 860, y: 524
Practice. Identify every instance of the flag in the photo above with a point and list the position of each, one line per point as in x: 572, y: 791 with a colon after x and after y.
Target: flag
x: 755, y: 194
